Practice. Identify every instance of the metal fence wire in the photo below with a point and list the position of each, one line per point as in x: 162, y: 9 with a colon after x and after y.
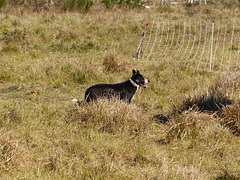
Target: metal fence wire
x: 211, y: 45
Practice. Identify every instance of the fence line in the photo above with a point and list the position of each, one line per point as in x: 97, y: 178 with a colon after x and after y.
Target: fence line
x: 165, y: 43
x: 231, y: 46
x: 209, y: 47
x: 195, y: 36
x: 172, y: 39
x: 149, y: 39
x: 212, y: 46
x: 179, y: 32
x: 159, y: 41
x: 224, y: 41
x: 154, y: 40
x: 205, y: 39
x: 217, y: 42
x: 189, y: 38
x: 237, y: 56
x: 199, y: 41
x: 182, y: 42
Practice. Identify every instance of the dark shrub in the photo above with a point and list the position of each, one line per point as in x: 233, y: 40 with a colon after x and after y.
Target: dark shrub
x: 3, y: 3
x: 121, y: 3
x: 80, y: 5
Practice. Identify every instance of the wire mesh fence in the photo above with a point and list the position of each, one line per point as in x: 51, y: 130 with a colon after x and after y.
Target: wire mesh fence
x: 213, y: 46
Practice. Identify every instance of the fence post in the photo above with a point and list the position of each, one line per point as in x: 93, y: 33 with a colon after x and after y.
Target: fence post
x: 211, y: 46
x: 230, y: 55
x: 237, y: 56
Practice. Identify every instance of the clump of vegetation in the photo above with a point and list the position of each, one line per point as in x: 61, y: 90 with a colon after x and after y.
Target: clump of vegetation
x: 8, y: 152
x: 186, y: 125
x: 193, y: 115
x: 15, y: 39
x: 208, y: 103
x: 111, y: 116
x: 111, y: 63
x: 165, y: 9
x: 3, y: 3
x: 121, y: 3
x: 81, y: 5
x: 230, y: 118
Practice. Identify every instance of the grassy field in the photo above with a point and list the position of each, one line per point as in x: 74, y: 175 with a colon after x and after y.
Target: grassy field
x: 177, y: 128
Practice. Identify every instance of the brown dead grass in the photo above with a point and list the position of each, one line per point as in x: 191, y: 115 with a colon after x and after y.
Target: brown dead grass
x: 111, y: 63
x: 43, y: 136
x: 230, y: 118
x: 112, y: 116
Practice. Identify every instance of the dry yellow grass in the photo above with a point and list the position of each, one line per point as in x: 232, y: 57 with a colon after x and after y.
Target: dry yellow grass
x: 47, y: 59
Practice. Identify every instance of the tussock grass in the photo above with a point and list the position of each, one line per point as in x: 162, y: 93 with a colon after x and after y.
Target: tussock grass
x: 47, y: 59
x: 230, y: 117
x: 112, y: 116
x: 213, y: 100
x: 209, y: 103
x: 111, y: 64
x: 189, y: 119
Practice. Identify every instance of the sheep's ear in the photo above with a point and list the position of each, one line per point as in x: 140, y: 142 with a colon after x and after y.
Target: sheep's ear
x: 133, y: 72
